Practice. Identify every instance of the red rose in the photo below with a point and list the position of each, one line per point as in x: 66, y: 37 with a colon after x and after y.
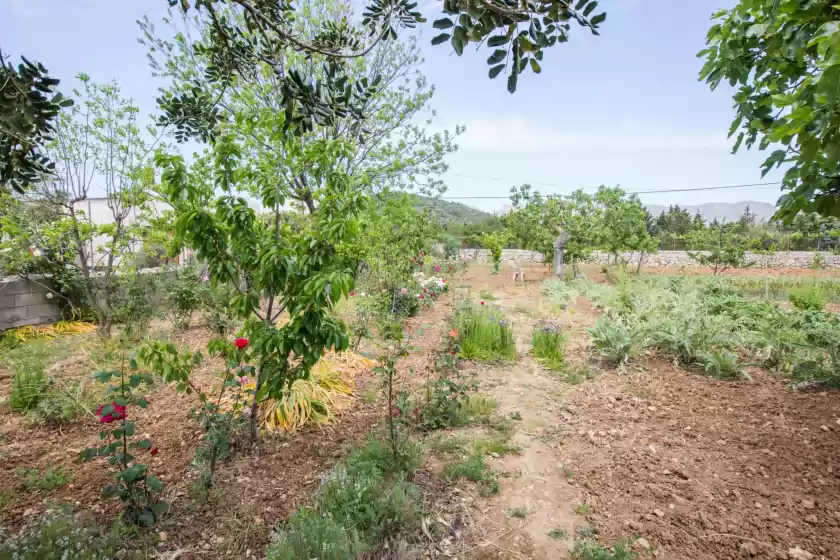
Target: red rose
x: 352, y: 294
x: 240, y: 343
x: 117, y: 414
x: 395, y: 411
x: 154, y: 451
x: 421, y: 296
x: 482, y: 303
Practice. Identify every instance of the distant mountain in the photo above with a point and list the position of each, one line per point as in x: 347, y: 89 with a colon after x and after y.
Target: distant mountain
x: 728, y: 211
x: 448, y: 211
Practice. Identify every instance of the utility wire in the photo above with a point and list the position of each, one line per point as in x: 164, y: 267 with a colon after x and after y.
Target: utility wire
x: 721, y: 187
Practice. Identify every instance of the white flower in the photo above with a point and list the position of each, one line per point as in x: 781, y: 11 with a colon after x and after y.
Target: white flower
x: 36, y: 253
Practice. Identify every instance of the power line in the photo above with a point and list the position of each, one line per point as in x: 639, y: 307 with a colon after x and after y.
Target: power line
x: 720, y: 187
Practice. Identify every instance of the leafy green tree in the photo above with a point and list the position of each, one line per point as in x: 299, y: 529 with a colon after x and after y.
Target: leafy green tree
x: 97, y: 150
x: 724, y: 248
x: 623, y: 224
x: 674, y: 225
x: 536, y: 220
x: 784, y: 58
x: 495, y: 243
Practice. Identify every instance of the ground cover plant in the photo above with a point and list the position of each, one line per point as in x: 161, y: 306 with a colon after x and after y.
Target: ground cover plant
x: 708, y: 324
x: 484, y: 333
x: 547, y: 344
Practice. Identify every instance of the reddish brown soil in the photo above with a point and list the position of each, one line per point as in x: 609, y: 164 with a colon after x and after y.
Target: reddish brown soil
x: 700, y: 467
x: 253, y: 492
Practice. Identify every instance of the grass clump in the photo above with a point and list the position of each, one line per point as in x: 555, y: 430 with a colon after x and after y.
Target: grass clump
x: 583, y: 509
x: 558, y: 534
x: 548, y: 345
x: 49, y: 478
x: 487, y: 296
x: 807, y: 298
x: 579, y: 373
x: 475, y: 469
x: 519, y: 512
x: 476, y: 408
x: 364, y: 500
x: 484, y: 334
x: 590, y: 550
x: 59, y: 535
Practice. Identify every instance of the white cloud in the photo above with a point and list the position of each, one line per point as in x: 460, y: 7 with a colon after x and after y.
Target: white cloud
x: 520, y: 134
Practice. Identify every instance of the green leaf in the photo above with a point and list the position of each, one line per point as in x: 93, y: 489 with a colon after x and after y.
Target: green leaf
x: 154, y: 483
x: 535, y: 66
x: 497, y: 56
x: 511, y: 83
x: 589, y: 8
x: 444, y: 23
x: 497, y: 40
x: 600, y: 18
x: 496, y: 70
x: 442, y: 38
x: 141, y: 402
x: 459, y: 40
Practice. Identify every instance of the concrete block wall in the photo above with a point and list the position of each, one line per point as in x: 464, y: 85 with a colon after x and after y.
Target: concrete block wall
x: 26, y: 302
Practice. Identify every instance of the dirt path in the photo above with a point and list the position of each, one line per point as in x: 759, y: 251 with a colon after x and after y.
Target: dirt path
x: 539, y: 509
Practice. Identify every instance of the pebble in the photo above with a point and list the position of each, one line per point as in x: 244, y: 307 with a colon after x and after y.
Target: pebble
x: 659, y: 513
x: 799, y: 554
x: 808, y: 504
x: 812, y: 519
x: 163, y: 536
x: 641, y: 544
x: 825, y: 428
x: 748, y: 549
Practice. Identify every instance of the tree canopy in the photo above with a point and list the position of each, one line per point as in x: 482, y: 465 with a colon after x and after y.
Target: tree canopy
x: 783, y: 57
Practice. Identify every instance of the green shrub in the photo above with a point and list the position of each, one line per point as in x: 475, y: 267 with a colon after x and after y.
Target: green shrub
x: 216, y: 303
x: 133, y: 304
x: 615, y: 340
x: 590, y: 550
x: 28, y: 388
x: 309, y: 534
x: 60, y: 535
x: 183, y: 295
x: 807, y: 298
x: 484, y: 334
x: 475, y: 469
x: 451, y: 247
x: 721, y: 363
x: 364, y: 500
x: 561, y: 293
x: 547, y: 345
x: 49, y: 478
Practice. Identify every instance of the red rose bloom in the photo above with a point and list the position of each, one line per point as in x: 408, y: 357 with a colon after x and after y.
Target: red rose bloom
x: 240, y: 343
x: 482, y: 303
x: 117, y: 414
x: 352, y: 294
x: 154, y: 451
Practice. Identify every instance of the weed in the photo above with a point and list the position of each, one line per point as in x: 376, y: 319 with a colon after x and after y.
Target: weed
x: 615, y: 340
x: 519, y: 512
x: 493, y: 446
x: 477, y: 408
x: 485, y: 334
x: 487, y: 296
x: 515, y: 416
x: 721, y: 363
x: 558, y: 534
x: 446, y: 446
x: 475, y: 469
x: 589, y: 550
x: 311, y: 535
x: 807, y: 298
x: 561, y: 294
x: 240, y: 530
x: 583, y: 509
x: 50, y: 478
x: 578, y: 373
x: 60, y: 534
x: 523, y: 310
x: 28, y: 388
x: 547, y: 345
x: 369, y: 396
x: 568, y: 472
x: 585, y: 532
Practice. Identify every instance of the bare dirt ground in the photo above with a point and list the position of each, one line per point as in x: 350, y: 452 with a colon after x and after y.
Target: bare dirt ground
x: 698, y: 468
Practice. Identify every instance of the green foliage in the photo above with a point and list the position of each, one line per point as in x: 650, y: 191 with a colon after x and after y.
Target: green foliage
x: 721, y: 363
x: 558, y: 534
x: 561, y: 293
x: 60, y: 534
x: 783, y: 59
x: 807, y: 298
x: 548, y: 345
x: 495, y: 242
x: 133, y: 305
x: 216, y: 305
x: 475, y: 469
x: 484, y: 334
x: 624, y: 223
x: 139, y: 491
x: 29, y: 107
x: 615, y: 340
x: 183, y: 295
x: 725, y: 249
x: 448, y: 393
x: 28, y: 388
x: 48, y: 478
x: 451, y: 247
x: 586, y: 549
x: 362, y: 501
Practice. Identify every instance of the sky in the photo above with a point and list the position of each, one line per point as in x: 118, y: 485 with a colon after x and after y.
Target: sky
x: 623, y: 108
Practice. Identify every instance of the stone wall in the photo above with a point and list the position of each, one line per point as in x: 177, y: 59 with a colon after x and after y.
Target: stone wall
x: 27, y: 302
x: 679, y: 259
x: 668, y: 259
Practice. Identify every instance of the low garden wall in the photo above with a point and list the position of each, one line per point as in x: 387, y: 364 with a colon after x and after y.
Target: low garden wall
x: 668, y: 259
x: 27, y: 302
